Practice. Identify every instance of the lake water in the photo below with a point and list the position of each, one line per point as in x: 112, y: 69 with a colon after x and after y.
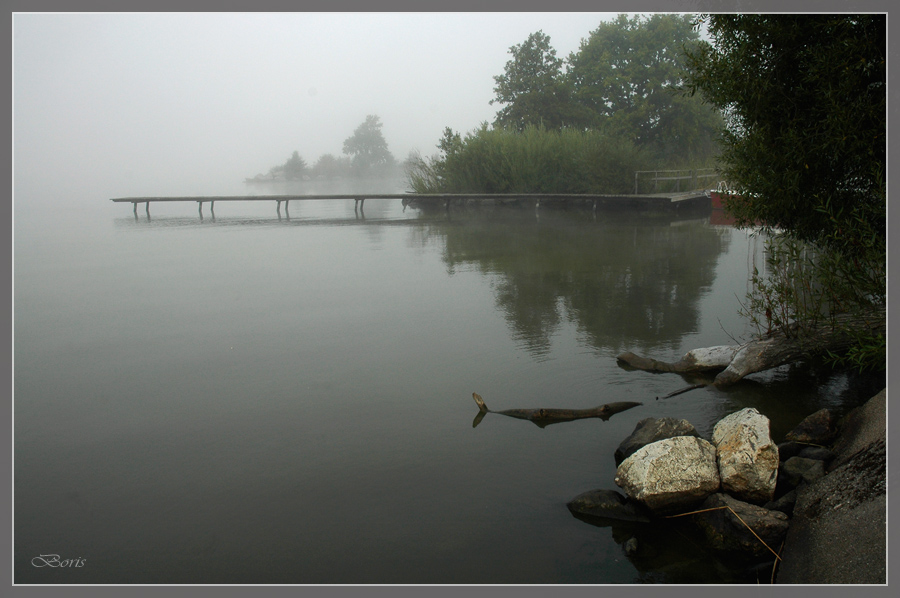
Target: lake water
x: 260, y: 399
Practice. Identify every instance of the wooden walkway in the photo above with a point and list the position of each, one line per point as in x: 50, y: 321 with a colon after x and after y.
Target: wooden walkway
x: 662, y: 201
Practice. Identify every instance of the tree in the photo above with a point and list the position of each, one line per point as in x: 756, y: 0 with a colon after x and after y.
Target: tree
x: 804, y: 150
x: 533, y: 88
x: 329, y: 166
x: 627, y: 74
x: 294, y: 168
x: 368, y: 149
x: 805, y: 141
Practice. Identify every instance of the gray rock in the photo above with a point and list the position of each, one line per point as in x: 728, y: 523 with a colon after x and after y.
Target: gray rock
x: 862, y: 426
x: 819, y: 428
x: 650, y: 430
x: 630, y: 546
x: 729, y: 529
x: 670, y: 475
x: 789, y: 449
x: 607, y: 504
x: 797, y: 470
x: 838, y: 532
x: 816, y: 452
x: 747, y: 457
x: 785, y: 504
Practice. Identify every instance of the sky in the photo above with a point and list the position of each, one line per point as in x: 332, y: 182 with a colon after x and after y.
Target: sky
x: 200, y: 96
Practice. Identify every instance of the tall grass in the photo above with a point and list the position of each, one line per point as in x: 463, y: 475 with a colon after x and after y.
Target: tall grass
x: 535, y: 160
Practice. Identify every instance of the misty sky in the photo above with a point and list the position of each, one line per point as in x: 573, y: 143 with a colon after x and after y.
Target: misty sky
x: 197, y: 97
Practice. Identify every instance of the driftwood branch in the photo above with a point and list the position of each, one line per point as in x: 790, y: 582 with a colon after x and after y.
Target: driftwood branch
x: 546, y: 416
x: 736, y: 361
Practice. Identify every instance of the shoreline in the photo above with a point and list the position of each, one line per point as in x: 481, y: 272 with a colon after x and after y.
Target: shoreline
x: 838, y: 531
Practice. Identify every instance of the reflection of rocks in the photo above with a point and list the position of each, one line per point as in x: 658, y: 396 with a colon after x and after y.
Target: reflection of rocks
x: 607, y: 504
x: 727, y: 522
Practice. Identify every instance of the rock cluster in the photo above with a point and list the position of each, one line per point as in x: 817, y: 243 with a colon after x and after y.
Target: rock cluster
x: 737, y: 487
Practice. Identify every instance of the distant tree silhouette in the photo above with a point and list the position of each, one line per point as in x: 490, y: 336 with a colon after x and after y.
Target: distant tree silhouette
x: 367, y: 148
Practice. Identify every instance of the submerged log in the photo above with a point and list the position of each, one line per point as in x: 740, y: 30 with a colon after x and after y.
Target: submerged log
x: 773, y: 350
x: 545, y: 417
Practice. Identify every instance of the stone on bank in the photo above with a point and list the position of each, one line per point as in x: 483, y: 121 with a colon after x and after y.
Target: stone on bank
x: 670, y: 475
x: 748, y: 459
x: 727, y: 522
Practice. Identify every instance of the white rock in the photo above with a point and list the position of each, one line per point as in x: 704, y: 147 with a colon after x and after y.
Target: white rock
x: 670, y: 475
x: 747, y: 457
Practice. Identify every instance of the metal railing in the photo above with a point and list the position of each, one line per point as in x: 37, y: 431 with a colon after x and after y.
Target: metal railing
x: 669, y: 181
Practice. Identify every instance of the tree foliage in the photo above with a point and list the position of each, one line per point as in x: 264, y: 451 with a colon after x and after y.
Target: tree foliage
x: 804, y: 148
x: 805, y: 141
x: 533, y: 88
x: 329, y: 166
x: 624, y: 79
x: 295, y: 167
x: 627, y: 73
x: 368, y: 148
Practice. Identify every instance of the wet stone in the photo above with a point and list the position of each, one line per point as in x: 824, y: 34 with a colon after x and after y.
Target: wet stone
x: 816, y: 452
x: 819, y: 428
x: 650, y: 430
x: 797, y: 470
x: 607, y: 504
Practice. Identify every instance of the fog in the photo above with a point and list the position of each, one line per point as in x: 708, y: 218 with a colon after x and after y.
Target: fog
x: 197, y: 99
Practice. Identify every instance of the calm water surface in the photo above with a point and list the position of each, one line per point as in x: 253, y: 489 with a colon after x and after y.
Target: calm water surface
x: 255, y: 399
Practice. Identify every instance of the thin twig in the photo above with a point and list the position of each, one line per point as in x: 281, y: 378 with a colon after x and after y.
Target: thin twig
x: 777, y: 557
x: 775, y: 564
x: 678, y: 392
x: 719, y: 320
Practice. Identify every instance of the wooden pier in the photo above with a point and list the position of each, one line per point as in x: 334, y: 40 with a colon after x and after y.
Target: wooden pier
x: 660, y: 201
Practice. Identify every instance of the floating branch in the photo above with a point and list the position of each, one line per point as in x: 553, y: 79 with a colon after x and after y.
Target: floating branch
x: 545, y: 417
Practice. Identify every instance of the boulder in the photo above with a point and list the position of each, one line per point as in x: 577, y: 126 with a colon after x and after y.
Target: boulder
x: 798, y: 469
x: 748, y: 459
x: 816, y: 452
x: 785, y: 504
x: 670, y: 475
x: 786, y: 450
x: 606, y: 504
x: 728, y: 524
x: 819, y: 428
x: 650, y: 430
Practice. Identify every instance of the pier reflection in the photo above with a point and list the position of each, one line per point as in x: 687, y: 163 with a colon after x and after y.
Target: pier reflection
x: 627, y: 280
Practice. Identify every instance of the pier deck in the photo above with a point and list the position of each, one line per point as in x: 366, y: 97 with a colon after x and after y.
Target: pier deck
x: 655, y: 200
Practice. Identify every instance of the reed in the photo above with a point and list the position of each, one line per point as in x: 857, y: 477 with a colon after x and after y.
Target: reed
x: 535, y: 160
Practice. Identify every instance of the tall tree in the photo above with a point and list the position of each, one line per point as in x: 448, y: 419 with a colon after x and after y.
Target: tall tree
x: 295, y: 167
x: 627, y: 74
x: 533, y: 89
x: 804, y: 148
x: 805, y: 98
x: 368, y: 149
